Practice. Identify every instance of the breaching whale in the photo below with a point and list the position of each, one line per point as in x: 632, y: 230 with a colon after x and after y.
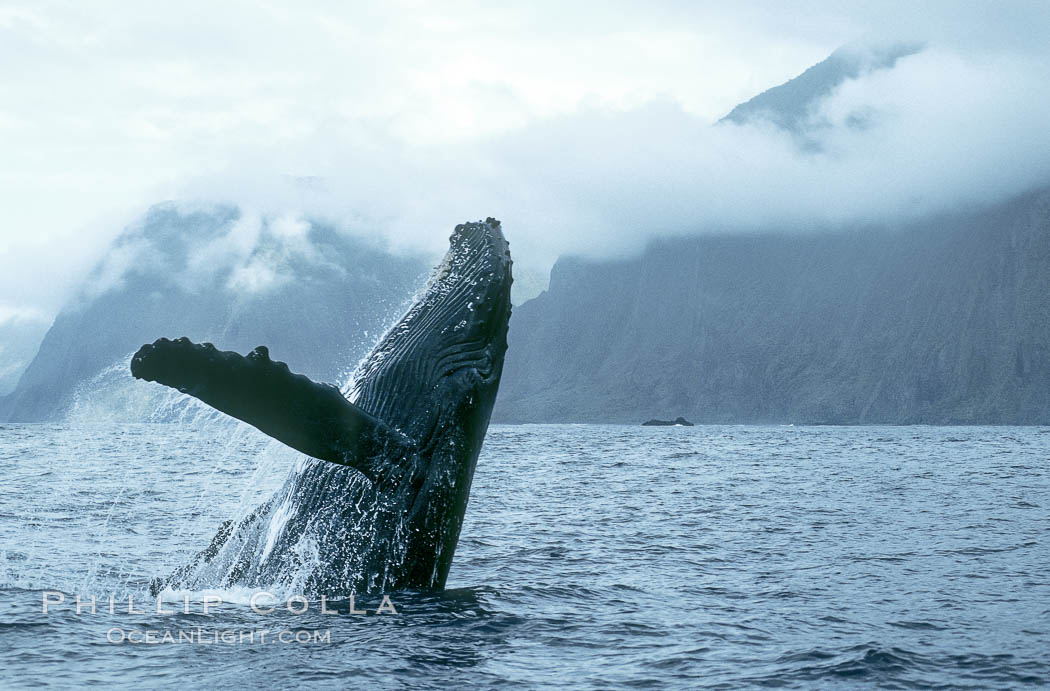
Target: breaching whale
x: 379, y: 502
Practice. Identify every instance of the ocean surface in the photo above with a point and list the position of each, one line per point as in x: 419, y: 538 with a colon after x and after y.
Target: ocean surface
x: 594, y: 556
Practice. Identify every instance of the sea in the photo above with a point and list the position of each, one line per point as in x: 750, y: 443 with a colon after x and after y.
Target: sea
x: 592, y: 556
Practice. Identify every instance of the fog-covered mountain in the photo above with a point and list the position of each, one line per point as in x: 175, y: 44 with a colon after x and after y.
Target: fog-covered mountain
x: 790, y: 106
x: 317, y: 297
x: 946, y: 320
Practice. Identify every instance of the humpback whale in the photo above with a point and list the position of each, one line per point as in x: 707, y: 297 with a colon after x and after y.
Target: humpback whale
x: 378, y: 500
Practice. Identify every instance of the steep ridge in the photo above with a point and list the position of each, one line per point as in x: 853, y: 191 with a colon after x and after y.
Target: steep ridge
x: 941, y: 321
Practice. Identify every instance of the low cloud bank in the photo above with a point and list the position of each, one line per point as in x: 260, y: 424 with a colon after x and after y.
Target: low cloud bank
x: 954, y: 126
x: 939, y: 131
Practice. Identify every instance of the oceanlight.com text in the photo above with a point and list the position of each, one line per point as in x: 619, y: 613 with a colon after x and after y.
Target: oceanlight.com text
x: 202, y: 636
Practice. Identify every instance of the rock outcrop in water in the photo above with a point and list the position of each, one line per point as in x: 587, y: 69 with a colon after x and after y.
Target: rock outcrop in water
x: 317, y: 296
x: 944, y: 321
x: 677, y: 422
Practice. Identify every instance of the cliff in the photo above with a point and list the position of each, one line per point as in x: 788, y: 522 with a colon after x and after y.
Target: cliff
x: 946, y: 321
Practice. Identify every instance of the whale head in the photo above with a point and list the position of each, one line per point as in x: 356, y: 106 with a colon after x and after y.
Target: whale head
x: 440, y: 365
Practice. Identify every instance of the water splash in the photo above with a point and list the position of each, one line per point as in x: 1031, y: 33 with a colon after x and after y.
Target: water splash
x: 228, y: 472
x: 113, y: 396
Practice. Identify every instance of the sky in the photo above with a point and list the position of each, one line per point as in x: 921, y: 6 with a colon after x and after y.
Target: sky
x: 586, y: 127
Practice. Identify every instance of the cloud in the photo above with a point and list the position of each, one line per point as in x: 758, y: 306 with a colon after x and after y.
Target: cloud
x: 201, y: 247
x: 11, y: 315
x: 585, y: 131
x: 940, y: 130
x: 256, y: 276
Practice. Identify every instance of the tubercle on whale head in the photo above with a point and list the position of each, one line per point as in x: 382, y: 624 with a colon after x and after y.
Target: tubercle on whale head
x: 489, y: 231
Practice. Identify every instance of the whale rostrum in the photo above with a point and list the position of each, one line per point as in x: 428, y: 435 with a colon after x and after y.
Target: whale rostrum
x: 379, y: 502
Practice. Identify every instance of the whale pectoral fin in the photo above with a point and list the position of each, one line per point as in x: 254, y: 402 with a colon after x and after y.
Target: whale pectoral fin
x: 309, y: 417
